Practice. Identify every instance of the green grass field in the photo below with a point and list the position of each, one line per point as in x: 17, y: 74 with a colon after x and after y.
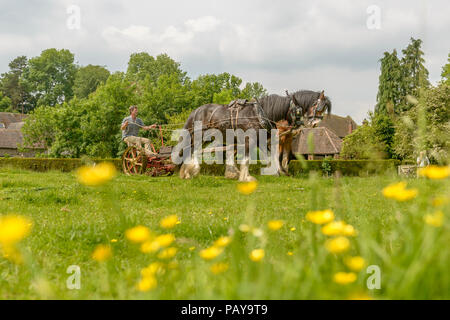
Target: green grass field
x: 70, y: 220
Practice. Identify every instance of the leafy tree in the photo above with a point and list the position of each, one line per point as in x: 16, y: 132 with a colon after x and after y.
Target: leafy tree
x: 39, y: 127
x: 384, y: 130
x: 223, y: 97
x: 87, y: 79
x: 253, y: 90
x: 390, y: 86
x: 413, y: 135
x: 12, y: 88
x: 49, y: 77
x: 142, y: 65
x: 5, y: 103
x: 415, y: 75
x: 363, y: 143
x: 446, y: 71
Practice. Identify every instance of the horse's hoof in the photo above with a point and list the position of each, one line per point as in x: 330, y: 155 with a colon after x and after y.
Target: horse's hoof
x: 248, y: 179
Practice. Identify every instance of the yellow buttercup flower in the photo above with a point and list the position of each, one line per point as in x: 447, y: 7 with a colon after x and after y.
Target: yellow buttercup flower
x: 290, y: 253
x: 165, y: 240
x: 360, y: 296
x: 257, y: 255
x: 435, y: 219
x: 169, y: 221
x: 210, y: 253
x: 167, y: 253
x: 344, y: 277
x: 96, y: 175
x: 320, y: 217
x: 113, y: 240
x: 275, y: 224
x: 13, y: 228
x: 138, y: 234
x: 337, y: 245
x: 150, y: 246
x: 247, y: 187
x: 355, y: 263
x: 147, y: 283
x: 222, y: 242
x: 102, y: 253
x: 439, y: 201
x: 219, y: 267
x: 152, y: 269
x: 12, y: 254
x: 293, y: 229
x: 398, y: 191
x: 435, y: 172
x: 338, y: 228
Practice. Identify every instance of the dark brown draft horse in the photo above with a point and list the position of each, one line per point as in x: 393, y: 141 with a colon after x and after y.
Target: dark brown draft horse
x: 262, y: 114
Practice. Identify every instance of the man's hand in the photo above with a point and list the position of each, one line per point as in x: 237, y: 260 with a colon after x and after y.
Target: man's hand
x: 150, y: 127
x: 125, y: 124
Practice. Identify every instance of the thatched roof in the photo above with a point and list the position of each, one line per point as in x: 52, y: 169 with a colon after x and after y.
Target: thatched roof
x: 16, y: 125
x: 12, y: 138
x: 341, y: 126
x: 325, y: 141
x: 8, y: 117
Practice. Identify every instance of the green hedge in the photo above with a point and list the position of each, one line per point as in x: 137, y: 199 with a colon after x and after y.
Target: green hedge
x: 296, y: 167
x: 345, y: 167
x: 45, y: 164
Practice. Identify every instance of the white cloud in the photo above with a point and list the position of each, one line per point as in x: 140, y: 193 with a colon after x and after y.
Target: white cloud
x: 284, y: 45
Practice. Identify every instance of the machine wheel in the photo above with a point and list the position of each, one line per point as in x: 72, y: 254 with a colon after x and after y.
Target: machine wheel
x: 134, y: 161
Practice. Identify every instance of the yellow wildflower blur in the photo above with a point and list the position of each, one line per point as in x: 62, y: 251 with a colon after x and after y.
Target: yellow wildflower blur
x: 222, y: 241
x: 257, y: 255
x: 435, y: 219
x: 275, y: 224
x: 398, y: 191
x: 320, y: 217
x: 147, y: 283
x: 247, y: 187
x: 244, y: 228
x: 344, y: 277
x: 169, y: 221
x: 355, y: 263
x: 167, y: 253
x: 152, y: 269
x: 138, y: 234
x: 96, y: 175
x: 210, y: 253
x: 102, y: 253
x: 337, y: 245
x: 338, y: 228
x: 219, y: 267
x: 435, y: 172
x: 12, y: 254
x: 165, y: 240
x: 439, y: 201
x: 150, y: 246
x: 13, y: 228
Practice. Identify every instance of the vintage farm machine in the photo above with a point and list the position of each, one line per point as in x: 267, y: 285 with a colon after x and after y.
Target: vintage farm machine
x: 135, y: 161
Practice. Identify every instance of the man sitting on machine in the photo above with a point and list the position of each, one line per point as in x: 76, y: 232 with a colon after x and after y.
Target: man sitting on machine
x: 130, y: 131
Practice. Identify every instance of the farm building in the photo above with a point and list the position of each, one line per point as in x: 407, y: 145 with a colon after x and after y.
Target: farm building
x: 11, y: 137
x: 328, y: 137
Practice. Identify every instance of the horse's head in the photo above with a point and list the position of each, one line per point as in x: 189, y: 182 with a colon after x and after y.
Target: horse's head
x: 295, y: 112
x: 315, y: 113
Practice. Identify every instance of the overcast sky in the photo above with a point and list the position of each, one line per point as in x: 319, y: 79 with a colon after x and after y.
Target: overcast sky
x: 282, y: 44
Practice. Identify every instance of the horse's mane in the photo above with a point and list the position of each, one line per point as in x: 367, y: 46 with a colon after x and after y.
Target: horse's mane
x: 275, y: 107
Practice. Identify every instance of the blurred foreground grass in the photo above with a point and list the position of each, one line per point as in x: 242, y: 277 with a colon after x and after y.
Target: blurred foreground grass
x: 70, y: 220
